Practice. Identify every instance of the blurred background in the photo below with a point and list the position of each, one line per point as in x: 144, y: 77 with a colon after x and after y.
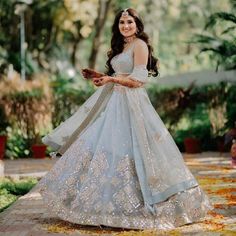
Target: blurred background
x: 44, y: 44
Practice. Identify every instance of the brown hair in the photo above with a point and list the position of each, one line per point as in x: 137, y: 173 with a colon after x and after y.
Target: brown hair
x: 117, y: 43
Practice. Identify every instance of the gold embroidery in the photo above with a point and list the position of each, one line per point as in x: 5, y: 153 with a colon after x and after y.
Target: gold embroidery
x: 115, y: 181
x: 153, y: 182
x: 80, y: 188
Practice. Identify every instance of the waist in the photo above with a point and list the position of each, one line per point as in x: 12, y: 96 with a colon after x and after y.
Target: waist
x: 121, y: 74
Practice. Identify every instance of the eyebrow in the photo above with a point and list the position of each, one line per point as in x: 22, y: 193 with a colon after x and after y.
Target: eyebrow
x: 130, y: 20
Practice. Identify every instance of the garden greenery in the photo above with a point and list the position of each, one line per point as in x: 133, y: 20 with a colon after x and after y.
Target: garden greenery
x: 11, y: 190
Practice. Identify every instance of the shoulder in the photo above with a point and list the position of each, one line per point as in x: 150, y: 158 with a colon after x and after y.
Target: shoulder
x: 140, y: 46
x: 140, y: 52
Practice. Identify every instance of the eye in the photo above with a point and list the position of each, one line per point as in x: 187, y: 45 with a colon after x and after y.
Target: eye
x: 130, y: 22
x: 121, y: 22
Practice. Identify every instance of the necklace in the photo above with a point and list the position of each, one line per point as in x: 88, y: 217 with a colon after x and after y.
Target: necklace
x: 129, y: 39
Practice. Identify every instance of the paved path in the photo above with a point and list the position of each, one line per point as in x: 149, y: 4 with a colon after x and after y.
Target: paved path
x: 29, y: 217
x: 28, y: 167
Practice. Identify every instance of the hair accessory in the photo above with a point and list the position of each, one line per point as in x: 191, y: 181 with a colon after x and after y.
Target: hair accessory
x: 125, y: 12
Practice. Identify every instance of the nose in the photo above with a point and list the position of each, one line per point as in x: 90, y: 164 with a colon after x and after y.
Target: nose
x: 126, y: 26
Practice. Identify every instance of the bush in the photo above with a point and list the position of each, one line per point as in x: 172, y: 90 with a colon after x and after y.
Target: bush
x: 34, y: 107
x: 231, y: 106
x: 11, y: 190
x: 27, y: 106
x: 3, y: 120
x: 205, y: 112
x: 17, y: 145
x: 6, y: 199
x: 68, y: 95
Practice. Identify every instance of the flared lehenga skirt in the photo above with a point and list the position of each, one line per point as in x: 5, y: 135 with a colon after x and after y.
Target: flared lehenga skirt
x: 95, y: 182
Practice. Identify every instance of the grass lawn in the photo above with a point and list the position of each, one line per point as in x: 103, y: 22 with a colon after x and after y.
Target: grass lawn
x: 11, y: 190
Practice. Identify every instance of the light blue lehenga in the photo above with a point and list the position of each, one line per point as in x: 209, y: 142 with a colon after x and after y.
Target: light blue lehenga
x: 120, y: 166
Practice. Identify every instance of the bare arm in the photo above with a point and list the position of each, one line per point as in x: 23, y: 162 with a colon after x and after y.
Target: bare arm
x: 122, y: 80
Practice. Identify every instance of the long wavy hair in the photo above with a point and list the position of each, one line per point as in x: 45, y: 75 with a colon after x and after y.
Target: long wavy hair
x: 117, y: 43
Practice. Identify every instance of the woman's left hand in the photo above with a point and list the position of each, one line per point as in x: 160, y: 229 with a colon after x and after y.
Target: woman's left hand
x: 102, y: 80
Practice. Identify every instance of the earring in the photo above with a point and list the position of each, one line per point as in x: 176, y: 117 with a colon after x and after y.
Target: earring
x: 137, y: 31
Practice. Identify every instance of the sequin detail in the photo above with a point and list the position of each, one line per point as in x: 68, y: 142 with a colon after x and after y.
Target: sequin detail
x: 81, y: 189
x: 123, y: 169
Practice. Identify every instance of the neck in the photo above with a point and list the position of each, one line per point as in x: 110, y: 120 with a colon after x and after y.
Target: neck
x: 129, y: 39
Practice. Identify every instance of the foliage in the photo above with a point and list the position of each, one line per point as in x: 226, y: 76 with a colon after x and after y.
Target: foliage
x: 6, y: 199
x: 231, y: 106
x: 34, y: 107
x: 24, y: 111
x: 175, y: 100
x: 27, y: 107
x: 51, y: 27
x: 62, y: 32
x: 205, y: 112
x: 11, y: 190
x: 222, y: 46
x: 3, y: 120
x: 67, y: 97
x: 61, y: 39
x: 171, y: 24
x: 18, y: 145
x: 195, y: 123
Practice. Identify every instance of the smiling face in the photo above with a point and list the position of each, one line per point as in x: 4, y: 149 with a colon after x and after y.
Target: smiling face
x: 127, y: 26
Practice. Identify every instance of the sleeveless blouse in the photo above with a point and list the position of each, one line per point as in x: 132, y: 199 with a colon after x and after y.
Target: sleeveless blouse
x: 123, y: 63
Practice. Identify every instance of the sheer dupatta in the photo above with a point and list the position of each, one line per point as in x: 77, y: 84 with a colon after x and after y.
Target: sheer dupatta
x: 67, y: 132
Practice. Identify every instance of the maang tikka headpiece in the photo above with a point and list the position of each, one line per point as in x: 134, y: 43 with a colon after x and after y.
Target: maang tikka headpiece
x: 125, y: 12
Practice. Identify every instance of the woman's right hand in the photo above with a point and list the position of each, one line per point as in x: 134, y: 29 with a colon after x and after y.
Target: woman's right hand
x: 102, y: 80
x: 90, y: 73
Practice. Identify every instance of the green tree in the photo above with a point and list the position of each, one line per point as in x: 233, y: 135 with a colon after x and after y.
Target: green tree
x: 220, y: 43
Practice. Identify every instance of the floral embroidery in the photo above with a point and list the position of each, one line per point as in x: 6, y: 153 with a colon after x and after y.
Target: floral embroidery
x: 79, y: 189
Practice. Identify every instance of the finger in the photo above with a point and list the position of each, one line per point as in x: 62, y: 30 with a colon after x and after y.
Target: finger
x: 97, y: 80
x: 86, y: 76
x: 98, y: 83
x: 88, y: 72
x: 86, y: 69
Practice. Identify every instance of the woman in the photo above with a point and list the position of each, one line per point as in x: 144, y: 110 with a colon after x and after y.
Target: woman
x: 120, y: 167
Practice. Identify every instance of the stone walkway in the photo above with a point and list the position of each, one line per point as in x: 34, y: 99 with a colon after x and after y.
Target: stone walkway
x: 28, y: 167
x: 28, y: 216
